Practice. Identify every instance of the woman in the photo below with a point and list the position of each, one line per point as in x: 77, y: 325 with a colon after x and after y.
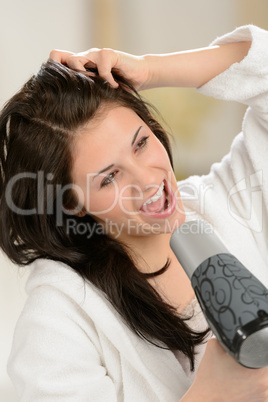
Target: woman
x: 89, y: 199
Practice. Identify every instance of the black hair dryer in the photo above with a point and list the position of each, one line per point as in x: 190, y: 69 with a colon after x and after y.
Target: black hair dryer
x: 233, y: 300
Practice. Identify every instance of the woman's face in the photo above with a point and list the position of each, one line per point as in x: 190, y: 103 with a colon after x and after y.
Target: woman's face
x: 119, y: 165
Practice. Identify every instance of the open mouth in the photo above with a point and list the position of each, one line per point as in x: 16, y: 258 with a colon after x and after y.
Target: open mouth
x: 163, y: 206
x: 167, y: 201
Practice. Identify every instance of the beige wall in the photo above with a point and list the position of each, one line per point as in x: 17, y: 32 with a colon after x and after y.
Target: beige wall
x: 252, y: 12
x: 203, y: 128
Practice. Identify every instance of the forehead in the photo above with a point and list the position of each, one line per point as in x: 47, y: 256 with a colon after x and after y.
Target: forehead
x: 103, y: 140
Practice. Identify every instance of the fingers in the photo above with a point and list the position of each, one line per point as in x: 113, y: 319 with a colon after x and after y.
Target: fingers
x: 77, y: 62
x: 102, y: 59
x: 105, y: 73
x: 61, y: 56
x: 74, y: 61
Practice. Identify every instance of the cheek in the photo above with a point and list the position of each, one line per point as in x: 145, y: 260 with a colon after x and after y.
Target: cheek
x: 117, y: 205
x: 100, y: 204
x: 113, y: 203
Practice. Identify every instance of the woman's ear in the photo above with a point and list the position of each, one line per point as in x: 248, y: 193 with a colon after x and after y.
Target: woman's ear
x: 81, y: 213
x: 77, y: 211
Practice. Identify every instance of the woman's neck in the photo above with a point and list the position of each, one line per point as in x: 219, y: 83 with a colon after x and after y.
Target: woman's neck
x: 150, y: 253
x: 173, y: 285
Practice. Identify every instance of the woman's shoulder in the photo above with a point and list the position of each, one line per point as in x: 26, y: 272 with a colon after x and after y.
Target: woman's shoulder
x: 46, y: 272
x: 53, y: 283
x: 59, y: 297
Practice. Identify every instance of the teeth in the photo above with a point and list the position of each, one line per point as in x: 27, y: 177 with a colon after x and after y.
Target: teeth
x: 156, y: 196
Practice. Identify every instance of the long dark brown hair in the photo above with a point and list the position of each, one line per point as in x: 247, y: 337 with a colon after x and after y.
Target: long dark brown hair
x: 37, y: 129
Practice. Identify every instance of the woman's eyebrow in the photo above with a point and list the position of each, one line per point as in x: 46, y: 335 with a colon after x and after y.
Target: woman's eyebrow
x: 135, y: 135
x: 110, y: 166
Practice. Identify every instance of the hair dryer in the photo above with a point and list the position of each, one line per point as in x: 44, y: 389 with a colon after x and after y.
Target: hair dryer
x: 233, y: 300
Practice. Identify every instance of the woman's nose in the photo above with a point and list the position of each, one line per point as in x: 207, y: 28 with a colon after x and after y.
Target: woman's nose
x: 146, y: 180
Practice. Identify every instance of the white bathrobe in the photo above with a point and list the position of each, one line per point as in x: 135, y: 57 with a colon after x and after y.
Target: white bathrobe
x: 70, y: 345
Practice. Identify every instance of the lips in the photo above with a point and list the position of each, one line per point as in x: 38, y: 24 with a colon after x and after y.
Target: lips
x: 163, y: 207
x: 156, y: 196
x: 155, y: 206
x: 155, y: 202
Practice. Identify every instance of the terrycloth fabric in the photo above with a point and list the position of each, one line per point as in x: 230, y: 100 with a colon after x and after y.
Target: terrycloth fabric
x: 70, y: 345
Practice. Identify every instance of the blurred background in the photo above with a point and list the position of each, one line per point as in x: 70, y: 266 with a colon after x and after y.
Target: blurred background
x: 203, y: 128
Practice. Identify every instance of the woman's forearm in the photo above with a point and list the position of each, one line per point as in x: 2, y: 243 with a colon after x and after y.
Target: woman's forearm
x: 195, y: 67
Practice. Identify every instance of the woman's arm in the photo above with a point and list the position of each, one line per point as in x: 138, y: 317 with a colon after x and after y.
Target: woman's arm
x: 191, y: 68
x: 220, y: 378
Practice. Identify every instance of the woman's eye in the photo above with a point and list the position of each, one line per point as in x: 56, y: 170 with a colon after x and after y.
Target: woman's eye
x: 108, y: 179
x: 142, y: 143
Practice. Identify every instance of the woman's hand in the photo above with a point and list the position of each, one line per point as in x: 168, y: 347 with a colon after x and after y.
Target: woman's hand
x: 220, y: 378
x: 134, y: 68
